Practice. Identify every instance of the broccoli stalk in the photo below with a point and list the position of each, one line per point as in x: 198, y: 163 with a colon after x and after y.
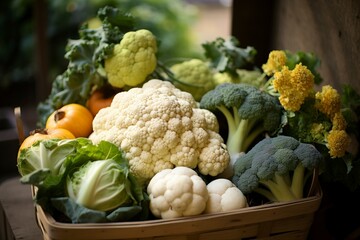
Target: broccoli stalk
x: 277, y: 168
x: 241, y: 132
x: 285, y: 187
x: 249, y: 112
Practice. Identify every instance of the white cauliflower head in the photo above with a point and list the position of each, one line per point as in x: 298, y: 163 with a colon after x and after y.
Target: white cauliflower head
x: 160, y: 127
x: 224, y: 196
x: 176, y: 193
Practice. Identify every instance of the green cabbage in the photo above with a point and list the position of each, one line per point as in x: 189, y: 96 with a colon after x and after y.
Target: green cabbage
x: 100, y: 185
x: 83, y: 181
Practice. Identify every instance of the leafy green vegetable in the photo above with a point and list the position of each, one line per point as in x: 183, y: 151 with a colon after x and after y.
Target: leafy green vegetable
x: 86, y: 56
x: 226, y: 56
x: 100, y: 185
x: 80, y: 178
x: 43, y: 155
x: 80, y: 214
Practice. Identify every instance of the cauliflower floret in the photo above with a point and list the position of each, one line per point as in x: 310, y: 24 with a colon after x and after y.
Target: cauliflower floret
x: 176, y: 193
x: 159, y: 127
x: 224, y: 196
x: 133, y: 59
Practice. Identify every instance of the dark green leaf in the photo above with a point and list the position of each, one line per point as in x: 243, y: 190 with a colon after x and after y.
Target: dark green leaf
x: 77, y: 213
x: 227, y: 56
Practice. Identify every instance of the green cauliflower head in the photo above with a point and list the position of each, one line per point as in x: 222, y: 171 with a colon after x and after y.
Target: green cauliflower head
x: 133, y: 59
x: 194, y: 76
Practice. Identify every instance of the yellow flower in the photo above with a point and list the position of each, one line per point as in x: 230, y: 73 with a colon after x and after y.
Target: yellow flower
x: 293, y: 86
x: 328, y: 101
x: 277, y: 59
x: 338, y: 122
x: 337, y: 143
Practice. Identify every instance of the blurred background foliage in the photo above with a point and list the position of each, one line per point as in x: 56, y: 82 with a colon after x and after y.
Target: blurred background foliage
x: 170, y: 21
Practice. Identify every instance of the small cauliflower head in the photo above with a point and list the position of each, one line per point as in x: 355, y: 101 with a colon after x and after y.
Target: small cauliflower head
x: 160, y: 127
x: 133, y: 59
x: 224, y: 196
x: 194, y: 76
x: 176, y: 193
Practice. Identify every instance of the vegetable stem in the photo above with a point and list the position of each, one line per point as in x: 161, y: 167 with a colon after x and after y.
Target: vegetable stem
x: 279, y: 188
x: 297, y: 186
x: 230, y: 117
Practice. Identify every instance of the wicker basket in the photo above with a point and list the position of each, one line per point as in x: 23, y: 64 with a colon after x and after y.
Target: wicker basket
x: 288, y: 220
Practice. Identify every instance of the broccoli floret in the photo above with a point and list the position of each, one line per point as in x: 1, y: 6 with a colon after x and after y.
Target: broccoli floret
x: 249, y: 112
x: 276, y: 168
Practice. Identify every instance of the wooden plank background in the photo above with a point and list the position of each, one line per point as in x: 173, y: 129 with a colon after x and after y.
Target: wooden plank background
x: 328, y: 28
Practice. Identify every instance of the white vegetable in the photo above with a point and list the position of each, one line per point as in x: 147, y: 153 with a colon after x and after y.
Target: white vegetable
x: 177, y: 192
x: 224, y: 196
x: 159, y: 127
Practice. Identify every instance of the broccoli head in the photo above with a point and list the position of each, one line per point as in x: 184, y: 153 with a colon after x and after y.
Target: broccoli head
x: 249, y: 113
x: 276, y: 168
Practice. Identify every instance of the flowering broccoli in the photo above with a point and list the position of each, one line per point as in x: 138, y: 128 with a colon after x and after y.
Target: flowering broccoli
x: 280, y: 58
x: 276, y: 61
x: 293, y: 86
x: 328, y: 101
x: 277, y: 168
x: 320, y: 121
x: 347, y: 168
x: 249, y: 112
x: 312, y: 117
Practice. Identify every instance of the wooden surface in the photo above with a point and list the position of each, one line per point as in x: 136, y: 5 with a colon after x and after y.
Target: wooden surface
x: 328, y: 28
x: 17, y: 212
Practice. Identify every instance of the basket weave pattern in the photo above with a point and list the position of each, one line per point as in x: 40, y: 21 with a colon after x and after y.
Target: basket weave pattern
x: 288, y: 220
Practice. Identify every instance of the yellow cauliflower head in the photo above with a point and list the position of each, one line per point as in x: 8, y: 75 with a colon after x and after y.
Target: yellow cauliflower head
x: 277, y: 59
x: 160, y: 127
x: 133, y: 59
x: 293, y: 86
x: 337, y: 142
x: 328, y: 101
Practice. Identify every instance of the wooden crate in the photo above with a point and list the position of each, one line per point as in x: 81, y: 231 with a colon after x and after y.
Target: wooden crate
x: 288, y: 220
